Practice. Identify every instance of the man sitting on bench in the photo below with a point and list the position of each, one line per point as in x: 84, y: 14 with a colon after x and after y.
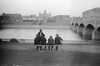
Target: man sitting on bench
x: 43, y: 42
x: 58, y: 41
x: 50, y: 43
x: 37, y: 42
x: 41, y: 39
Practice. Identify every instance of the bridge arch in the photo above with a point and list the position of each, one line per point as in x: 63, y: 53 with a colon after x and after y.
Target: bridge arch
x: 96, y: 34
x: 72, y: 24
x: 76, y: 24
x: 87, y: 32
x: 90, y: 26
x: 98, y: 29
x: 82, y: 25
x: 75, y: 27
x: 80, y: 29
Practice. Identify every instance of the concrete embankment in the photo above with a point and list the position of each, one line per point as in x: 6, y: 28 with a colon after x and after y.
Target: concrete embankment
x: 36, y: 27
x: 31, y: 25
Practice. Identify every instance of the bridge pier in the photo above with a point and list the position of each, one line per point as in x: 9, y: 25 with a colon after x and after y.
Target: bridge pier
x: 96, y: 35
x: 80, y: 30
x: 72, y: 26
x: 75, y: 28
x: 87, y: 32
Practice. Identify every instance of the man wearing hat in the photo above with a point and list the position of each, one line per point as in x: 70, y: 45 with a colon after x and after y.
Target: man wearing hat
x: 58, y: 41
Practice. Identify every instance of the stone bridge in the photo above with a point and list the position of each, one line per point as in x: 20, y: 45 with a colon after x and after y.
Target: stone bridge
x: 88, y: 30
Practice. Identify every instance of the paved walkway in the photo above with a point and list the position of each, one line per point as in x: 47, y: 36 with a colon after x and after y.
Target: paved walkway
x: 70, y: 55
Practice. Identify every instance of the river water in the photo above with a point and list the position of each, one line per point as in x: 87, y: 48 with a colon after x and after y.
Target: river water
x: 66, y: 34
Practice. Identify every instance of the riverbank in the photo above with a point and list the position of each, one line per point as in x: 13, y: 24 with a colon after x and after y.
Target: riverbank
x: 31, y: 25
x: 36, y: 27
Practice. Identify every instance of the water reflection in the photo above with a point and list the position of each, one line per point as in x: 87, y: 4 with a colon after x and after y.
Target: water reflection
x: 66, y: 34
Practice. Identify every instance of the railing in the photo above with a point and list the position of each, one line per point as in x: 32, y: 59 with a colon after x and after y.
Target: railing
x: 20, y: 40
x: 63, y: 42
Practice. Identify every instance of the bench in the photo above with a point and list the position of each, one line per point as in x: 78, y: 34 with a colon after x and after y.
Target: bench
x: 48, y: 47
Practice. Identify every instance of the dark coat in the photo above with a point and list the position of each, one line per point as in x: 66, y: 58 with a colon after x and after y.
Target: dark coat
x: 37, y: 41
x: 43, y: 41
x: 58, y: 40
x: 50, y: 41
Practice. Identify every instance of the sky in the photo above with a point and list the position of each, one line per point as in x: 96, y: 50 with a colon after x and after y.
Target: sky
x: 56, y: 7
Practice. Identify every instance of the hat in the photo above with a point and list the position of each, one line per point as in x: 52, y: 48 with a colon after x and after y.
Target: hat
x: 57, y: 34
x: 40, y: 29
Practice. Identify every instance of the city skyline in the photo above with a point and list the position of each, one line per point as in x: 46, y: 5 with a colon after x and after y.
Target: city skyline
x: 56, y: 7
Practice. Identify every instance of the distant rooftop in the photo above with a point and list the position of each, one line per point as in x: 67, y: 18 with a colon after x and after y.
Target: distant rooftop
x: 97, y: 9
x: 7, y: 14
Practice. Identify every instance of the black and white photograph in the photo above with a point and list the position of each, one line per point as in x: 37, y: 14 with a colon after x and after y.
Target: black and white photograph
x: 49, y: 32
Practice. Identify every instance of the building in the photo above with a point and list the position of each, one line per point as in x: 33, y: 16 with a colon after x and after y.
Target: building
x: 61, y: 18
x: 76, y: 19
x: 44, y: 16
x: 92, y: 15
x: 10, y: 17
x: 30, y: 18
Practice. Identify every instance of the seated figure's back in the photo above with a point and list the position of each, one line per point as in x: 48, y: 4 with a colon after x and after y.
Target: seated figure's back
x: 37, y: 40
x: 43, y: 40
x: 50, y: 40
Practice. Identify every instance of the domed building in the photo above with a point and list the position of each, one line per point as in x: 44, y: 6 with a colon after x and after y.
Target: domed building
x: 44, y: 16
